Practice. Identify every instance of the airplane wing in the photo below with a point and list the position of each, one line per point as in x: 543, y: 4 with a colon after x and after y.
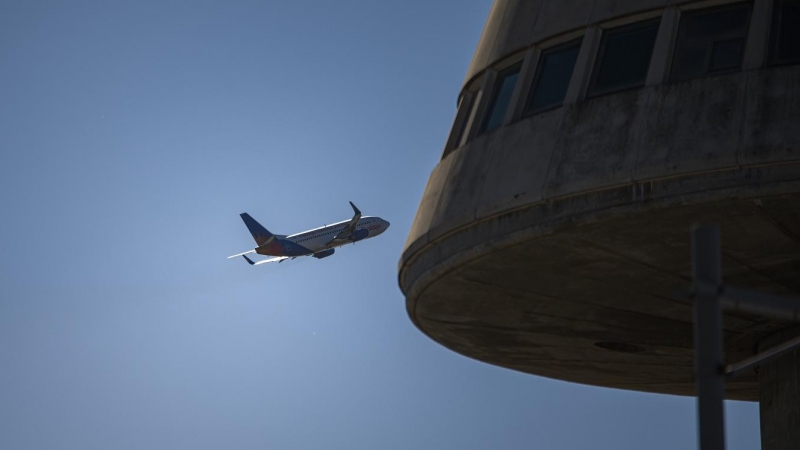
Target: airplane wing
x: 268, y: 260
x: 241, y: 254
x: 344, y: 235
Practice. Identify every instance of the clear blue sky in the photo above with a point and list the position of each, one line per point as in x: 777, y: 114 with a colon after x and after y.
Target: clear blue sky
x: 132, y: 134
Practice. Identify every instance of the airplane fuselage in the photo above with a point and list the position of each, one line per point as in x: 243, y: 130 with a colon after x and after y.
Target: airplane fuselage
x: 318, y: 240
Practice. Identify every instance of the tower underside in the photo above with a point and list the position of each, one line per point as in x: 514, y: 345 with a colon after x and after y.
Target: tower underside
x: 601, y: 297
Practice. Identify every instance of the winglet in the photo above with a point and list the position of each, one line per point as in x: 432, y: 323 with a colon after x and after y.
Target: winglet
x: 355, y: 210
x: 249, y: 261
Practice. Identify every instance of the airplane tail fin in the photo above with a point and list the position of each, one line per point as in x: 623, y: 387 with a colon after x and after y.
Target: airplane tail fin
x: 260, y: 234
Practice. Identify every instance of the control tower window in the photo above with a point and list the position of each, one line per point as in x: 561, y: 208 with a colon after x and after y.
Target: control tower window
x: 624, y: 57
x: 501, y: 98
x: 459, y: 128
x: 711, y: 41
x: 785, y: 45
x: 552, y: 77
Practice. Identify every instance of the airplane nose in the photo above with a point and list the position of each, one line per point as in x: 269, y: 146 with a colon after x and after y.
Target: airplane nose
x: 386, y: 223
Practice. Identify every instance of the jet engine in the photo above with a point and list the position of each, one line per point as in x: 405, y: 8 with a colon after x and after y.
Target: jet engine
x: 359, y: 235
x: 324, y: 254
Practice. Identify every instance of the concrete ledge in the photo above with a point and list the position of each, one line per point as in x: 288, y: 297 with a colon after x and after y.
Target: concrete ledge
x: 582, y: 288
x: 540, y: 218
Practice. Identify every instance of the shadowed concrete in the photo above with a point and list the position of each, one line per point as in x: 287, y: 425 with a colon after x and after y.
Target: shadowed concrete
x: 557, y: 245
x: 780, y: 395
x: 598, y: 302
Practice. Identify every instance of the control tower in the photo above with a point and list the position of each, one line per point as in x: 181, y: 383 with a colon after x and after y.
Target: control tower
x: 553, y: 236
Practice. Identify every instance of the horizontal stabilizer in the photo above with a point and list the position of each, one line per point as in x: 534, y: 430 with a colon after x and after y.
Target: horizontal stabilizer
x: 263, y: 261
x: 241, y: 254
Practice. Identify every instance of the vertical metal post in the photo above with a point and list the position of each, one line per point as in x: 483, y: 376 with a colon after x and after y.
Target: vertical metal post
x: 707, y: 272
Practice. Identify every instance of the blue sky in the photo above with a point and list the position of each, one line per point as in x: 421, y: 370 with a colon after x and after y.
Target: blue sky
x: 132, y: 134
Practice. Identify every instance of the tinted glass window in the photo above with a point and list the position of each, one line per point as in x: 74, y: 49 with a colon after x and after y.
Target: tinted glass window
x: 463, y: 125
x: 710, y: 24
x: 624, y: 58
x: 710, y: 41
x: 727, y: 55
x: 464, y: 131
x: 553, y: 76
x: 692, y: 62
x: 503, y: 89
x: 785, y: 46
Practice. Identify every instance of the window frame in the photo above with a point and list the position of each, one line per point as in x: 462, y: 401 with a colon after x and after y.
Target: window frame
x: 527, y: 110
x: 631, y: 27
x: 502, y: 75
x: 467, y: 102
x: 775, y: 22
x: 680, y: 40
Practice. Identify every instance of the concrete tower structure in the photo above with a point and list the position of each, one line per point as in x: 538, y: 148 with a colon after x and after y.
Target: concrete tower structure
x: 553, y: 236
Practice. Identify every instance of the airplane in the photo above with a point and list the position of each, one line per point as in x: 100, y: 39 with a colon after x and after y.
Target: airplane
x: 319, y: 242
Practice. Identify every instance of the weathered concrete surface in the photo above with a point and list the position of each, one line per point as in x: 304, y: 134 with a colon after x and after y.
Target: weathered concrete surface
x: 609, y: 9
x: 556, y: 245
x: 485, y: 52
x: 517, y: 170
x: 692, y: 126
x: 520, y: 18
x: 551, y: 19
x: 780, y: 395
x: 772, y: 121
x: 599, y: 144
x: 422, y: 221
x: 704, y: 125
x: 559, y: 300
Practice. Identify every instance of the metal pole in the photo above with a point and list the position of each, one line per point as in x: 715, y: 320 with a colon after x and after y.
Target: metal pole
x: 707, y: 272
x: 762, y: 304
x: 734, y: 369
